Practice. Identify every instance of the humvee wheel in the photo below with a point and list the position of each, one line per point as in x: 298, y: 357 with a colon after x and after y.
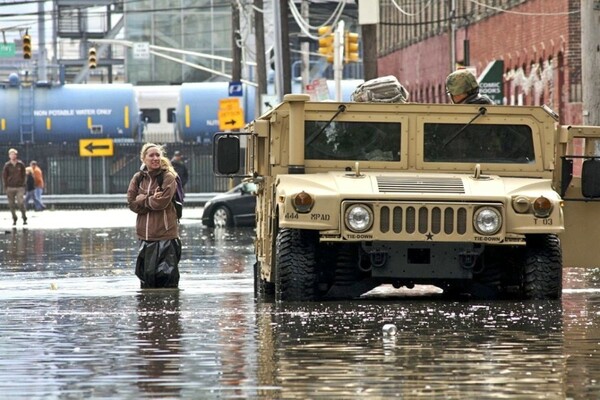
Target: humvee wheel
x: 262, y: 289
x: 542, y: 270
x: 296, y: 265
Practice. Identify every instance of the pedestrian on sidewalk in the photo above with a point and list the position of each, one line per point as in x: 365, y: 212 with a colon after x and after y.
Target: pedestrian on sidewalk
x: 29, y: 187
x: 13, y: 179
x: 38, y: 183
x: 178, y: 164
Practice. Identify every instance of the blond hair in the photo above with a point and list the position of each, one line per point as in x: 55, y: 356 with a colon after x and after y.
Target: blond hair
x: 165, y: 163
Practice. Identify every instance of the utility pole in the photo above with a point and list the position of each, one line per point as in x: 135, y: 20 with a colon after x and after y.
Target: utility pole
x: 305, y: 47
x: 338, y: 59
x: 261, y: 62
x: 452, y: 33
x: 368, y: 19
x: 236, y: 65
x: 590, y: 60
x: 286, y: 68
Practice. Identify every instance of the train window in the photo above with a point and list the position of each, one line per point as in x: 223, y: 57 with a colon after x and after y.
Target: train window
x: 170, y: 114
x: 151, y: 115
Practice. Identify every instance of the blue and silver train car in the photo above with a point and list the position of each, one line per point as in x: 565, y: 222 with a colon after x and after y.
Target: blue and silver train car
x: 199, y: 103
x: 67, y: 113
x: 198, y: 109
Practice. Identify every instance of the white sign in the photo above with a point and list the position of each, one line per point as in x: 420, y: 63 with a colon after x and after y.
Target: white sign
x: 141, y: 50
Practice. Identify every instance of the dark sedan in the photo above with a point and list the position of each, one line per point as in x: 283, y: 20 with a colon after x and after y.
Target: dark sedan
x: 233, y: 208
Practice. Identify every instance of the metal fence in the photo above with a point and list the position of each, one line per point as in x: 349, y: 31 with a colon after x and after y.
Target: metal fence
x: 67, y: 172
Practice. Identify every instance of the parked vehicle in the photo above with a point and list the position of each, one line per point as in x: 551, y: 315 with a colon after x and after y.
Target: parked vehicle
x: 233, y: 208
x: 468, y: 198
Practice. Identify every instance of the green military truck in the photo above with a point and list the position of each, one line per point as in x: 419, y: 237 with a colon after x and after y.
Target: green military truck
x: 355, y: 195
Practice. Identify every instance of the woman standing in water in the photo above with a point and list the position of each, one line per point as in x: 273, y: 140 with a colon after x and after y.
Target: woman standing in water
x: 149, y: 196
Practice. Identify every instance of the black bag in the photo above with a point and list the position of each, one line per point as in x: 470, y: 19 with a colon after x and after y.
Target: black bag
x: 177, y: 198
x: 157, y: 264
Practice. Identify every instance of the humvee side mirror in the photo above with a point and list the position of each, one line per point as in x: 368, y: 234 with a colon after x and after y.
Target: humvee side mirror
x: 590, y: 178
x: 226, y: 154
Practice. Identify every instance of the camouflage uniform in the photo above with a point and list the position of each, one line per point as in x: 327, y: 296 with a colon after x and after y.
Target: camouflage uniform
x: 464, y: 82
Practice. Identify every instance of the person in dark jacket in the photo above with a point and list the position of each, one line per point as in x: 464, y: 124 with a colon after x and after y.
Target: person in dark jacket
x: 13, y: 179
x: 29, y: 187
x: 180, y: 168
x: 462, y: 87
x: 156, y: 225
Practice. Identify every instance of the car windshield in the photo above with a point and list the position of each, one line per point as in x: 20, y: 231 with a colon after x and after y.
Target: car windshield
x: 369, y: 141
x: 478, y: 143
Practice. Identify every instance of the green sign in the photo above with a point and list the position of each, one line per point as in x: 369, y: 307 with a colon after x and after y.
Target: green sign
x: 7, y: 49
x: 491, y: 82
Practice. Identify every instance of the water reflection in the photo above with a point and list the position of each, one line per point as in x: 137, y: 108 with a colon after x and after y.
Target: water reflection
x: 441, y: 350
x: 159, y: 341
x: 96, y: 335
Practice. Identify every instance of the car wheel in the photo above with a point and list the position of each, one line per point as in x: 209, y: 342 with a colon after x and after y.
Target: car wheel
x: 222, y: 217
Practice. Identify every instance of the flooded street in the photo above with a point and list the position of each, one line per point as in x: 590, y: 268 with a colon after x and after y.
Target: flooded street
x: 74, y: 324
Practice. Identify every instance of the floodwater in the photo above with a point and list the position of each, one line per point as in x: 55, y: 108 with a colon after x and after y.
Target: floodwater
x: 74, y: 324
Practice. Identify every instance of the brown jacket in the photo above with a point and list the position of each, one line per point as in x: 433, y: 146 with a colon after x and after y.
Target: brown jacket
x: 13, y: 175
x: 156, y: 215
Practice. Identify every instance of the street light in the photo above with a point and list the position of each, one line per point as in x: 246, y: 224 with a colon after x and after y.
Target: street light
x: 326, y: 42
x: 92, y: 60
x: 27, y: 46
x: 351, y: 47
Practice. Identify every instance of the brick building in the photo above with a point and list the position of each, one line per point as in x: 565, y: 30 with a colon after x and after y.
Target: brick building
x: 539, y: 42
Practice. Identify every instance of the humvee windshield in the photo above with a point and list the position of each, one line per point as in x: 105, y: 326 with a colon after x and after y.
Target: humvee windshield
x: 368, y: 141
x: 478, y: 143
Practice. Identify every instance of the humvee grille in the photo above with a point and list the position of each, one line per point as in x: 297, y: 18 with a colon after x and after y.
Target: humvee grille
x: 409, y: 219
x: 420, y: 185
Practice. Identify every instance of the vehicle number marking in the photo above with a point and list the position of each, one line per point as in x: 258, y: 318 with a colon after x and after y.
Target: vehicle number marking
x: 545, y: 221
x: 291, y: 215
x: 320, y: 217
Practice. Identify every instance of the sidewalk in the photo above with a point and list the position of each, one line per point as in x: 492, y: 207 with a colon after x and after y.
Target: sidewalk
x: 73, y: 219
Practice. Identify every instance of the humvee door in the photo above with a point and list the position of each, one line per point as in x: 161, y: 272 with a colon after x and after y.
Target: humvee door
x: 578, y: 180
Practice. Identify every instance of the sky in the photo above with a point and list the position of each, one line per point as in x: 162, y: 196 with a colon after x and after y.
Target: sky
x: 16, y: 18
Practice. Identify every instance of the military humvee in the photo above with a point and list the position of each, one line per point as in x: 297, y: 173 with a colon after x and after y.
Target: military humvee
x: 354, y: 195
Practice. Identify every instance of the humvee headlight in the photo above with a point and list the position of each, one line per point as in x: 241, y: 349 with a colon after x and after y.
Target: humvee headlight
x: 521, y: 204
x: 487, y: 220
x: 542, y: 207
x: 303, y: 202
x: 359, y: 218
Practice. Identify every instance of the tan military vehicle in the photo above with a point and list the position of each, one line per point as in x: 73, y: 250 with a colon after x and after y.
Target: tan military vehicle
x: 464, y: 197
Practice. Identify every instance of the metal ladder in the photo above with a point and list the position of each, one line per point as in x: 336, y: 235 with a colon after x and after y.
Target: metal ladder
x: 26, y: 101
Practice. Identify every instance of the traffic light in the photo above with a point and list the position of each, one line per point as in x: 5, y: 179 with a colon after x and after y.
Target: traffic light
x: 92, y: 61
x: 351, y: 47
x: 326, y: 42
x: 27, y: 46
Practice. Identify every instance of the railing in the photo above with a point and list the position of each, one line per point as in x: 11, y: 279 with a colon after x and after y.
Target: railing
x: 76, y: 201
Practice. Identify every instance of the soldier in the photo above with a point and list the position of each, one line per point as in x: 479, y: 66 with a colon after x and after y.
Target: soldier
x: 462, y: 87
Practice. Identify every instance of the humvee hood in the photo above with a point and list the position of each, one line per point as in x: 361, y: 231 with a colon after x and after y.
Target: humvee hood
x: 374, y: 185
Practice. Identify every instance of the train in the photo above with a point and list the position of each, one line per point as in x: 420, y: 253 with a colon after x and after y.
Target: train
x: 44, y: 113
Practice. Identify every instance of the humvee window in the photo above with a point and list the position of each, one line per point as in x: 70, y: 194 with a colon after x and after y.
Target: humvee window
x: 367, y: 141
x: 478, y: 143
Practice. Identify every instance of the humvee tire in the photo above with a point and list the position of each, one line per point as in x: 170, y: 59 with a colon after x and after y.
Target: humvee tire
x: 542, y: 270
x: 297, y: 278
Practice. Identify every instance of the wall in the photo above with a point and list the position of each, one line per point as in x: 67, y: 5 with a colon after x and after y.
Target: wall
x: 541, y: 55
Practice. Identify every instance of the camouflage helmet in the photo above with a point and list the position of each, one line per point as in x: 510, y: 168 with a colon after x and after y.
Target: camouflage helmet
x: 461, y: 81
